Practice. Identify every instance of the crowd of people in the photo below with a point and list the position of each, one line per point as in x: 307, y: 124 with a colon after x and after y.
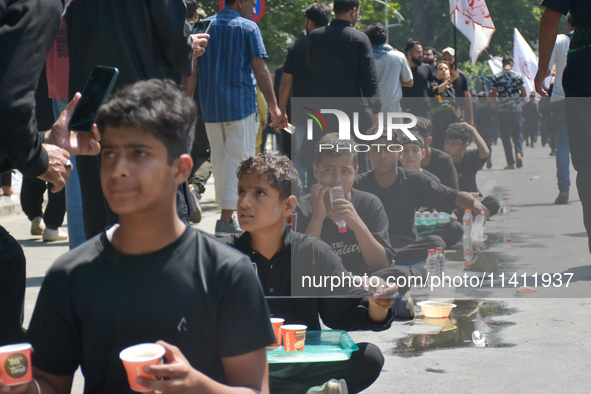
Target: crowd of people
x: 185, y: 106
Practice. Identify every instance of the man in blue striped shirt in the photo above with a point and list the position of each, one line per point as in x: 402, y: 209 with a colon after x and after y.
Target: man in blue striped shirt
x: 228, y: 74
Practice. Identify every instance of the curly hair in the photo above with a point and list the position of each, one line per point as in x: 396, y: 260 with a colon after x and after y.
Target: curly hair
x: 278, y: 170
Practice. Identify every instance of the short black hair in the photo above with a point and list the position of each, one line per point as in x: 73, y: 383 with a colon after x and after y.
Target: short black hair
x: 339, y: 148
x: 191, y: 7
x: 424, y: 127
x: 507, y: 60
x: 459, y: 132
x: 344, y: 6
x: 158, y: 107
x: 443, y: 62
x: 397, y: 134
x: 278, y: 170
x: 410, y: 45
x: 319, y: 14
x: 376, y: 33
x: 431, y: 49
x: 419, y: 140
x: 230, y: 3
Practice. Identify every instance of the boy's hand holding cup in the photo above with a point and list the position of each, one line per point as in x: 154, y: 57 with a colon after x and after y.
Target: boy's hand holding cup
x: 136, y: 358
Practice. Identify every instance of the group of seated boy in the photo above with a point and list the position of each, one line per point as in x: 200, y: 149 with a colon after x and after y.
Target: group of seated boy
x: 154, y: 278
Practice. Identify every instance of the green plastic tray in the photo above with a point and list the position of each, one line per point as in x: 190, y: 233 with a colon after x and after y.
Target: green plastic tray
x: 321, y: 346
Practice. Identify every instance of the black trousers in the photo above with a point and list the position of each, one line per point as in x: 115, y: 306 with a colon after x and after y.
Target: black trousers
x: 415, y: 251
x: 510, y: 125
x: 32, y: 202
x: 451, y: 233
x: 13, y: 281
x: 360, y: 371
x: 578, y: 118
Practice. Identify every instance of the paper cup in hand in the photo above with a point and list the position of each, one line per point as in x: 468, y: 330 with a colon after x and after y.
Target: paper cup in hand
x: 136, y: 357
x: 277, y: 323
x: 15, y: 364
x: 294, y: 337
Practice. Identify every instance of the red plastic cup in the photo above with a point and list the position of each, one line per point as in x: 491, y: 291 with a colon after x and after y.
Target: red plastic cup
x: 15, y: 364
x: 277, y: 323
x: 294, y: 337
x: 136, y: 357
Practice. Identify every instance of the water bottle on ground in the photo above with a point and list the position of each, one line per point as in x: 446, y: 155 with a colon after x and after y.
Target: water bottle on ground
x: 432, y: 265
x: 440, y: 260
x: 336, y: 193
x: 478, y: 339
x: 467, y: 241
x: 435, y: 217
x: 506, y: 209
x: 419, y: 218
x: 426, y: 218
x: 477, y: 231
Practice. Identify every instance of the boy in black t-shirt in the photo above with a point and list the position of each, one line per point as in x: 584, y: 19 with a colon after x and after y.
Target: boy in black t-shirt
x: 268, y: 189
x: 364, y: 247
x: 468, y: 163
x: 151, y: 277
x: 401, y: 191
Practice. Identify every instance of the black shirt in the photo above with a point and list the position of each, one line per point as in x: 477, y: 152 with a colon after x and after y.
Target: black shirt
x: 442, y: 166
x: 467, y: 169
x: 461, y: 84
x: 143, y: 39
x: 27, y: 31
x: 370, y: 210
x: 305, y: 255
x: 486, y: 121
x: 341, y: 60
x: 410, y: 190
x: 296, y: 64
x: 195, y: 293
x: 422, y: 76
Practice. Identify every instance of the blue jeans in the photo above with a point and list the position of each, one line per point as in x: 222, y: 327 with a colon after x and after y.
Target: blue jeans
x: 73, y: 197
x: 562, y: 161
x: 510, y: 126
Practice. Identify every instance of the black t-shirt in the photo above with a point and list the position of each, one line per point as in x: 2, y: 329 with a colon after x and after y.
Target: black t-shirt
x: 370, y: 210
x: 467, y: 169
x: 296, y: 64
x: 305, y: 255
x: 410, y: 190
x: 461, y: 84
x: 195, y: 293
x: 422, y: 76
x: 442, y: 166
x: 486, y: 121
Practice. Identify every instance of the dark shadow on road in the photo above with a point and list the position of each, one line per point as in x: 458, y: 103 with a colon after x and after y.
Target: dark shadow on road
x: 35, y: 282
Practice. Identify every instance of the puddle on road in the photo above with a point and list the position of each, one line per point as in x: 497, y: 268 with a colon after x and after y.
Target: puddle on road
x: 427, y: 334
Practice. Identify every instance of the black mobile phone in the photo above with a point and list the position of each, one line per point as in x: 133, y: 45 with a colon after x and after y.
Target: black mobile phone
x: 97, y: 88
x: 201, y: 27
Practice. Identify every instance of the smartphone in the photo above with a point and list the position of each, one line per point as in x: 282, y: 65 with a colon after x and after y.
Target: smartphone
x: 201, y: 27
x: 97, y: 88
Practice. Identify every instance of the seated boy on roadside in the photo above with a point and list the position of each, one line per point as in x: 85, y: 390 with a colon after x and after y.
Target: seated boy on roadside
x: 468, y: 163
x: 364, y: 247
x: 268, y: 189
x: 435, y: 161
x: 151, y: 277
x: 410, y: 157
x: 401, y: 191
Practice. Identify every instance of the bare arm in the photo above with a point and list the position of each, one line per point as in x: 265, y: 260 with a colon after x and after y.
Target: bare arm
x: 547, y: 38
x: 285, y: 91
x: 265, y: 83
x: 189, y: 83
x: 408, y: 84
x: 466, y: 201
x: 469, y: 109
x: 42, y: 382
x: 483, y: 151
x: 494, y: 93
x: 522, y: 92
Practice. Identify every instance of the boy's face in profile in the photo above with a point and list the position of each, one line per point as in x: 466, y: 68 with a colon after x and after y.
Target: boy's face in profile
x: 411, y: 156
x: 135, y: 174
x: 455, y: 149
x: 336, y: 171
x: 259, y: 204
x: 383, y: 161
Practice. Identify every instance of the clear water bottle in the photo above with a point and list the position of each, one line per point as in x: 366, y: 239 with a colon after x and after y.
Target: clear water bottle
x: 478, y: 339
x: 336, y: 193
x: 435, y: 217
x: 419, y: 218
x: 440, y: 260
x: 432, y: 264
x: 506, y: 209
x: 467, y: 241
x: 426, y: 218
x: 443, y: 217
x: 477, y: 231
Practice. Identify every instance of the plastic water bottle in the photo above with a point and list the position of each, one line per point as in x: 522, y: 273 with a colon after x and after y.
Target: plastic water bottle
x: 478, y: 339
x: 477, y: 232
x: 467, y: 241
x: 419, y: 219
x: 506, y: 209
x: 443, y: 217
x: 435, y: 217
x: 336, y: 193
x: 432, y: 264
x: 440, y: 260
x: 426, y: 218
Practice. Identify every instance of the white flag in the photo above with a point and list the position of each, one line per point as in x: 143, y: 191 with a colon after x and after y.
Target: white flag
x: 473, y: 20
x: 525, y: 61
x: 496, y: 64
